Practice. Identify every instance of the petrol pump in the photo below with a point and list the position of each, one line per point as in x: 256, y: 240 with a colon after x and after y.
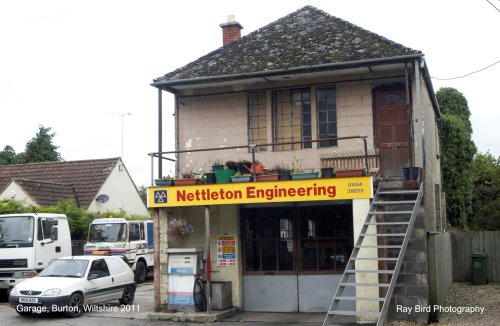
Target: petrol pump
x: 185, y: 288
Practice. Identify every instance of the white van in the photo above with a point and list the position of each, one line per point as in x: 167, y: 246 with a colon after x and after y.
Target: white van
x: 28, y: 242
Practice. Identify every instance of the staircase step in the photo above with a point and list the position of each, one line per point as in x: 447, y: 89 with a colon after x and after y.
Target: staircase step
x: 379, y: 271
x: 387, y: 223
x: 379, y: 285
x: 398, y: 192
x: 396, y: 202
x: 355, y: 313
x: 360, y: 298
x: 389, y: 212
x: 379, y: 246
x: 382, y: 234
x: 381, y: 258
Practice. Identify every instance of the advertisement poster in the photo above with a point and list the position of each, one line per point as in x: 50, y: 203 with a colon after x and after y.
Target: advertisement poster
x: 226, y: 250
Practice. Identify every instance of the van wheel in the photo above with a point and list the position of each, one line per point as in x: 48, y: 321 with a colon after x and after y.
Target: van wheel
x: 128, y: 295
x: 75, y: 306
x: 140, y: 272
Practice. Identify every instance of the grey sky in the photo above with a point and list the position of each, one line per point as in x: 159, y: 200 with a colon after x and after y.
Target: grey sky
x: 77, y: 66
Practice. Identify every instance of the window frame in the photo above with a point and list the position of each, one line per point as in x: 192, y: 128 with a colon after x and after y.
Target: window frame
x: 330, y: 116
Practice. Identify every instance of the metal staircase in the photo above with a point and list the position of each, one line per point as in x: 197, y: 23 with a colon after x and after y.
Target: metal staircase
x: 365, y: 289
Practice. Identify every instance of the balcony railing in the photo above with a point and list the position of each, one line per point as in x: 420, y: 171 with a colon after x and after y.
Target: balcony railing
x: 361, y: 160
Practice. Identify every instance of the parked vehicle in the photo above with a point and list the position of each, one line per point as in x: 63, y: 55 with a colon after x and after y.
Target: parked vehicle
x: 132, y: 240
x: 28, y: 242
x: 71, y: 284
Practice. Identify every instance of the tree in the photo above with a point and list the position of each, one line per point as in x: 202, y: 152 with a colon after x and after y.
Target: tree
x: 7, y: 156
x: 40, y: 148
x: 457, y: 153
x: 451, y: 101
x: 486, y: 198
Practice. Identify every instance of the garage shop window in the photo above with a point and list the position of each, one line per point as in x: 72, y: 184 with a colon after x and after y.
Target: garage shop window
x: 297, y: 239
x: 291, y: 118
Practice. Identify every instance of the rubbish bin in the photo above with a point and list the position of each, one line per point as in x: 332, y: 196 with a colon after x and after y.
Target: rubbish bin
x: 479, y: 268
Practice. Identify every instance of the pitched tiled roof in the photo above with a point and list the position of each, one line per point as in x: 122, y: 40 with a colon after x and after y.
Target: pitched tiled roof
x: 304, y: 38
x: 85, y: 176
x: 47, y: 193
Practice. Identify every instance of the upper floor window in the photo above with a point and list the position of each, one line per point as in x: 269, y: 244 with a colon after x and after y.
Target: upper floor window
x: 327, y: 115
x: 257, y: 120
x: 292, y: 118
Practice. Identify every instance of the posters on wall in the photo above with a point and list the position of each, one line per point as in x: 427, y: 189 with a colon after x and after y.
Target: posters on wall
x: 226, y: 250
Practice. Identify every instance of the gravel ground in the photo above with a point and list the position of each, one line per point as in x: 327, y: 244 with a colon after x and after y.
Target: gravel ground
x: 466, y: 295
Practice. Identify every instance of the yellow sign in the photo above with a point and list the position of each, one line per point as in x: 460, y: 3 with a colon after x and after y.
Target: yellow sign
x: 261, y: 192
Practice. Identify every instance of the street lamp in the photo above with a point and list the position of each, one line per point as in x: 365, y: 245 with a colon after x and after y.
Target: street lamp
x: 123, y: 117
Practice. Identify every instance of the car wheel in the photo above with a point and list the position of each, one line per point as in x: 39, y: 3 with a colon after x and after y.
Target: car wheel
x: 75, y: 306
x: 128, y: 295
x: 140, y: 272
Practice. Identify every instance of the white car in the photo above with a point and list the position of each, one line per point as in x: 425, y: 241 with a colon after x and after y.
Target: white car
x: 72, y: 284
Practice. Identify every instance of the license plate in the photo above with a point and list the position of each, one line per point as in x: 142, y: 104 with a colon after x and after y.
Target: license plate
x: 28, y: 300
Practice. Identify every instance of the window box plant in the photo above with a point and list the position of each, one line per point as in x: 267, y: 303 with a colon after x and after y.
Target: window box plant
x: 267, y: 177
x: 187, y: 179
x: 304, y: 175
x: 241, y: 178
x: 224, y: 175
x: 349, y: 173
x: 165, y: 181
x: 217, y: 165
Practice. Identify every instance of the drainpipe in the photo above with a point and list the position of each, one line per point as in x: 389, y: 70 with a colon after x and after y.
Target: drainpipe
x: 420, y: 116
x: 160, y: 127
x: 176, y: 114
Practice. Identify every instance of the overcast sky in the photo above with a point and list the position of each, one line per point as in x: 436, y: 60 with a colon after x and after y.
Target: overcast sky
x: 80, y: 66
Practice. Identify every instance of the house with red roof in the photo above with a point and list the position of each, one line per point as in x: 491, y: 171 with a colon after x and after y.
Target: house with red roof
x: 98, y: 185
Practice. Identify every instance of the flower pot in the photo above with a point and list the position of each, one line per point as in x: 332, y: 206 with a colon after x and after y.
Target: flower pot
x: 327, y: 173
x: 186, y: 182
x: 217, y: 167
x: 268, y: 177
x: 241, y: 178
x: 285, y: 175
x: 210, y: 178
x: 415, y: 173
x: 304, y: 175
x: 223, y: 176
x: 350, y: 173
x: 164, y: 182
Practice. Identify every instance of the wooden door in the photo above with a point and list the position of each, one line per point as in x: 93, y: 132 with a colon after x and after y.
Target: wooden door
x: 392, y: 131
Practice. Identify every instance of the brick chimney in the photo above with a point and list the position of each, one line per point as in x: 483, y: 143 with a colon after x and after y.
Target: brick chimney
x: 231, y: 31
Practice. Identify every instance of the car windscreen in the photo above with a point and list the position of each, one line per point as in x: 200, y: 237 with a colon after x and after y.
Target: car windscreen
x: 108, y: 232
x: 16, y: 231
x: 65, y: 268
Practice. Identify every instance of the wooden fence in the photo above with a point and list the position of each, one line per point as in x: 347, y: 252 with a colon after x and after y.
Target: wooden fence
x: 465, y: 243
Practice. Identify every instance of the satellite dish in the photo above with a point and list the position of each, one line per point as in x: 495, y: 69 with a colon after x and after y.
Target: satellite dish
x: 102, y: 198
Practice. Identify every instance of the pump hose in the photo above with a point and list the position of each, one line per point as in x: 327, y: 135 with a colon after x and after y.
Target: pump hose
x: 200, y: 302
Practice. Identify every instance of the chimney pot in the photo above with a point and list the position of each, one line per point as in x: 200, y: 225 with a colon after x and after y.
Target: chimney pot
x: 231, y: 31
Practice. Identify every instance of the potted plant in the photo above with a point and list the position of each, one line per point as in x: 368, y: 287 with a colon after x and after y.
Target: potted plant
x: 217, y: 165
x: 269, y: 175
x: 188, y: 178
x: 301, y: 175
x: 244, y: 166
x: 165, y: 181
x: 350, y: 173
x: 238, y: 177
x: 180, y: 228
x: 224, y: 175
x: 327, y: 172
x: 232, y: 165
